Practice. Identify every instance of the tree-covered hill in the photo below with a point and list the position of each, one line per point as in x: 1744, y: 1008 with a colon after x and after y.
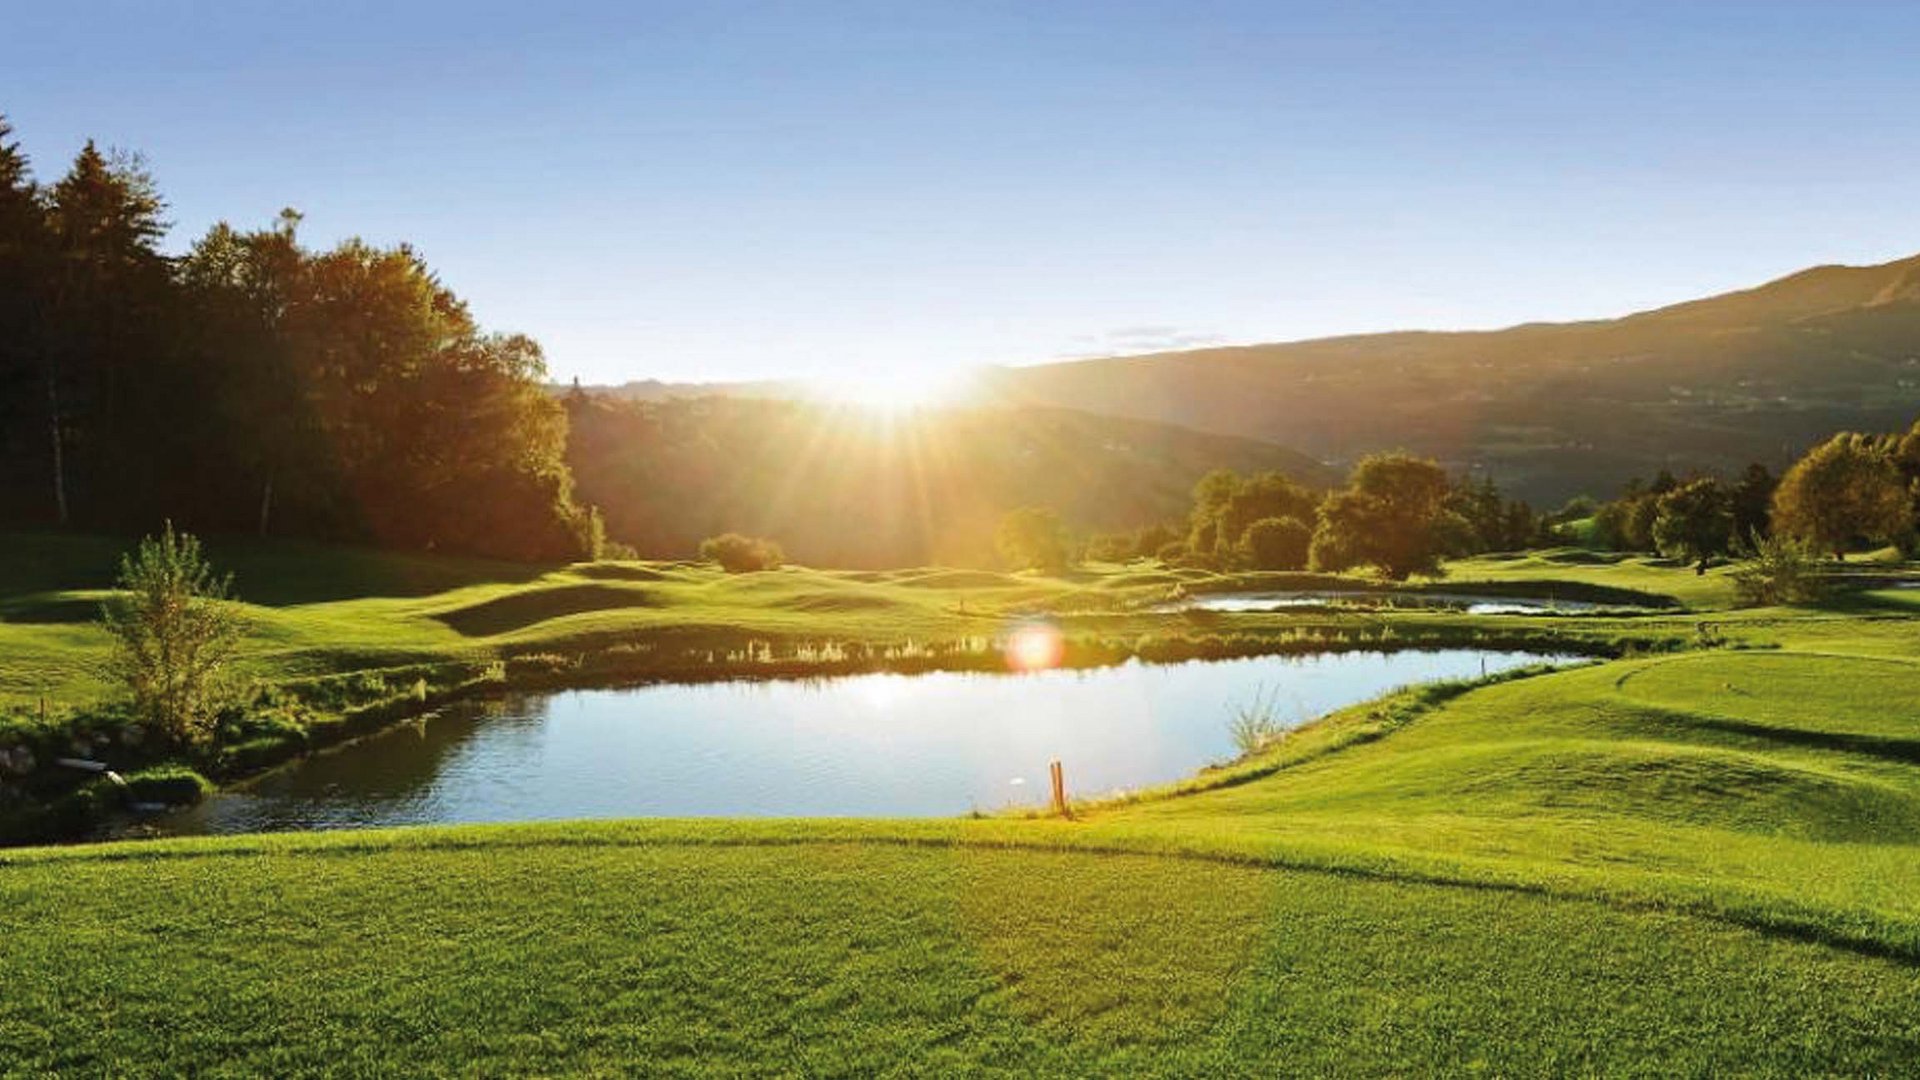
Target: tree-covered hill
x: 846, y: 486
x: 1552, y: 409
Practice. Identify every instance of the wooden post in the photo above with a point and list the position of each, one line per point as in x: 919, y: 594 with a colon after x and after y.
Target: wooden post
x: 1059, y: 788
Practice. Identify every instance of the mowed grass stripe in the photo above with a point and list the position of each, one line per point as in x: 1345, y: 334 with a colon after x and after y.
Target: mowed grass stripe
x: 854, y: 959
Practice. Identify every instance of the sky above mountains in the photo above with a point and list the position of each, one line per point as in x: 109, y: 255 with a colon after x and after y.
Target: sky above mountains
x: 891, y: 192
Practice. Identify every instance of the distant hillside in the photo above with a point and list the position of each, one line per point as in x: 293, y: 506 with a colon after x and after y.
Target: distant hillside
x: 841, y: 486
x: 1551, y: 409
x: 657, y: 390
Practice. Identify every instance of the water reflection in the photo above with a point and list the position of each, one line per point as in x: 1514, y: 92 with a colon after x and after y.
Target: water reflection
x: 870, y: 745
x: 1374, y: 598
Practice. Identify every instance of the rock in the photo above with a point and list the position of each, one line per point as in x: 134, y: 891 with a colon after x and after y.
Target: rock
x: 17, y: 760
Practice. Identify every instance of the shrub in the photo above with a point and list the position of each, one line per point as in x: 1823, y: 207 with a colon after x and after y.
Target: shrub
x: 1110, y: 548
x: 739, y: 554
x: 1782, y: 570
x: 1256, y: 724
x: 175, y: 632
x: 173, y: 785
x: 1033, y: 538
x: 540, y: 665
x: 1578, y: 508
x: 1637, y: 526
x: 1276, y: 544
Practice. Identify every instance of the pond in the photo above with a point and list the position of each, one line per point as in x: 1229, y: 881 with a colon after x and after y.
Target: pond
x: 1373, y: 598
x: 869, y: 745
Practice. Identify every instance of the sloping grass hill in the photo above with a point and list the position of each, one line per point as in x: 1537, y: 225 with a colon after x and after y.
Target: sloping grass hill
x: 1682, y: 864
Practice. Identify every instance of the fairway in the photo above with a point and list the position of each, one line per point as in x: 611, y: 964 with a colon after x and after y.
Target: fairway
x: 1684, y: 863
x: 609, y: 947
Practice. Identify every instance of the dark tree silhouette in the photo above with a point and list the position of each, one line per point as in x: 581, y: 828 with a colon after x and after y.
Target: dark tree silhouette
x: 254, y: 384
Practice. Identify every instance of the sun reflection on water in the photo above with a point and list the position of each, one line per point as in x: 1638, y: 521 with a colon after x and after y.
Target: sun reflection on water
x: 1035, y: 646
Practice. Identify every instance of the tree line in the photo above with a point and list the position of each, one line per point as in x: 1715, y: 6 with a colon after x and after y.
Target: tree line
x: 1397, y: 513
x: 1402, y: 515
x: 1854, y: 489
x: 255, y: 384
x: 840, y: 486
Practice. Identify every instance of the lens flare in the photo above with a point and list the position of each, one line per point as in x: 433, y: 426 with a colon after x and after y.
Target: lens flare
x: 1035, y: 647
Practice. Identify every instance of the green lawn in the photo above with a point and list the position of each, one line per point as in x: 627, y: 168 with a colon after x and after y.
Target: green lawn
x: 489, y: 952
x: 316, y: 610
x: 1684, y: 863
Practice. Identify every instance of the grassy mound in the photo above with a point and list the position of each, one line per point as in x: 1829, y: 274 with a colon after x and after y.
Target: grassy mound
x: 1796, y: 696
x: 520, y: 610
x: 619, y: 571
x: 958, y: 579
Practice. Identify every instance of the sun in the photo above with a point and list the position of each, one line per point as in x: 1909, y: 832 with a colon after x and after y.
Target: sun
x: 892, y: 391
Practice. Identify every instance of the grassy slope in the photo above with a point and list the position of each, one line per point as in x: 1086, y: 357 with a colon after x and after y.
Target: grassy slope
x: 321, y: 610
x: 1681, y: 863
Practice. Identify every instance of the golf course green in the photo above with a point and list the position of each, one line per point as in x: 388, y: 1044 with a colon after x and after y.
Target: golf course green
x: 1695, y: 856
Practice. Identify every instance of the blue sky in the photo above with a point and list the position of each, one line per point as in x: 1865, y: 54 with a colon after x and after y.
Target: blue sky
x: 895, y: 190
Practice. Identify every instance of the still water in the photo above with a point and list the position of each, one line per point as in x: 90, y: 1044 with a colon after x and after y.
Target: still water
x: 1472, y: 605
x: 867, y: 745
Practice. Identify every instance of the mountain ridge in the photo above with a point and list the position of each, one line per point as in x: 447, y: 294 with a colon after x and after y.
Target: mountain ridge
x: 1552, y: 409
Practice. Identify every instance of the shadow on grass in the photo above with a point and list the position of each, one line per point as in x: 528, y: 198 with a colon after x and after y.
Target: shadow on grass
x: 50, y: 609
x: 613, y: 571
x: 273, y: 573
x: 519, y: 610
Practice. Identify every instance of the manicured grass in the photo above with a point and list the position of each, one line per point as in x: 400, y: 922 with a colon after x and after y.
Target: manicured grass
x: 614, y: 951
x: 1660, y: 577
x: 1691, y: 863
x: 317, y: 611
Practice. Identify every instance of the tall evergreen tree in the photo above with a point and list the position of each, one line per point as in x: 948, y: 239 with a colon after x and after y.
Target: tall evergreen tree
x: 24, y: 245
x: 108, y: 289
x: 254, y: 384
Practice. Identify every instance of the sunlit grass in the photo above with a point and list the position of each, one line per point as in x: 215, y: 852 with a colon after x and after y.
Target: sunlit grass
x: 1679, y: 863
x: 607, y: 948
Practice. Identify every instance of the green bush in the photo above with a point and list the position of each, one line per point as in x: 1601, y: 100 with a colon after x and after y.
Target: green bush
x: 176, y: 632
x: 739, y: 554
x: 1111, y: 548
x: 1782, y: 570
x: 173, y: 785
x: 1033, y: 538
x: 540, y: 665
x: 1276, y: 544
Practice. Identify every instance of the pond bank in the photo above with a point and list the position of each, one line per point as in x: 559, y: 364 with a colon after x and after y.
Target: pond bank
x: 887, y: 745
x: 295, y: 717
